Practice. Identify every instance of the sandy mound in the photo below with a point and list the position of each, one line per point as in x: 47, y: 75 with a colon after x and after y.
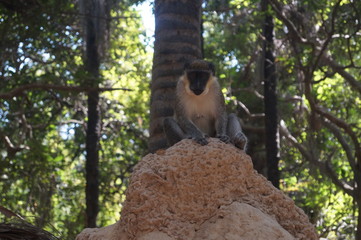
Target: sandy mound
x: 203, y: 192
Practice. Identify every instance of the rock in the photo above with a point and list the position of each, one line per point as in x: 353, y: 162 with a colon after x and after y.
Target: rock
x: 241, y: 221
x: 203, y: 192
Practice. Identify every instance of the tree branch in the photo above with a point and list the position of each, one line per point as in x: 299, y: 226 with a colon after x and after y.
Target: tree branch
x: 346, y: 127
x: 38, y: 86
x: 276, y: 6
x: 10, y: 147
x: 322, y: 49
x: 327, y: 60
x: 346, y: 147
x: 8, y: 213
x: 324, y: 167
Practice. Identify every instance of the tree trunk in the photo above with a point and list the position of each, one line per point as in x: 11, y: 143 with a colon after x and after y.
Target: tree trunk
x: 92, y: 64
x: 358, y: 230
x: 177, y: 40
x: 92, y: 160
x: 270, y: 100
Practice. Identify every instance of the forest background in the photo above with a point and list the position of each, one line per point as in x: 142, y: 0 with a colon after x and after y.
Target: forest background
x: 75, y: 96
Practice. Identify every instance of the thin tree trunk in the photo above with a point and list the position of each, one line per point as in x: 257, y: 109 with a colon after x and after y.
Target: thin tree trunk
x: 270, y: 100
x: 92, y: 133
x: 177, y: 39
x: 92, y: 160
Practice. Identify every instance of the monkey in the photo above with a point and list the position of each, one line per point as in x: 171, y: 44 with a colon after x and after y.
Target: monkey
x: 200, y: 110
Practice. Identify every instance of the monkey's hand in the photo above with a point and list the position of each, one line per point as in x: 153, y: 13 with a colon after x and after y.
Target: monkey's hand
x: 240, y: 140
x: 224, y: 138
x: 201, y: 140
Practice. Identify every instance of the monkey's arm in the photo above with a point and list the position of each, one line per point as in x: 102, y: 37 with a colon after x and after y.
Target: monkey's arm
x: 192, y: 131
x: 234, y: 130
x: 221, y: 119
x: 221, y: 127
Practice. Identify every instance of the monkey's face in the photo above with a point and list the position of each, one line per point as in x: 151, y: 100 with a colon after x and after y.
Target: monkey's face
x: 198, y: 81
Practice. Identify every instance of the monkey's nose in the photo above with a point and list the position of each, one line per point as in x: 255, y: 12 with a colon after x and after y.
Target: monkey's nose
x: 197, y: 91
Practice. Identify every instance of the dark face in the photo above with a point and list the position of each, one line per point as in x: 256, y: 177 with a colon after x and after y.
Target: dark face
x: 198, y: 81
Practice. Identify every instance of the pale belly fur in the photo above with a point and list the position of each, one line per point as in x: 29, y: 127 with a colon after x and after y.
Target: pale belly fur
x: 202, y: 111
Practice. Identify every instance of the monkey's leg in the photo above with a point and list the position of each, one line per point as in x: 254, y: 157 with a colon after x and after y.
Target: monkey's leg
x: 172, y: 131
x: 234, y: 131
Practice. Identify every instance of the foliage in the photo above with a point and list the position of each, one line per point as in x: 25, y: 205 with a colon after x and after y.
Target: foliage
x: 42, y: 129
x: 233, y: 39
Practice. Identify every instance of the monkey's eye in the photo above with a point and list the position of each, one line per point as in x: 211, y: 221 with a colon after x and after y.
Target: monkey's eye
x: 198, y: 76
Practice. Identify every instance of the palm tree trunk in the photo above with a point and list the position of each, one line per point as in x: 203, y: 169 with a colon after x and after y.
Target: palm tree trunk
x: 177, y: 40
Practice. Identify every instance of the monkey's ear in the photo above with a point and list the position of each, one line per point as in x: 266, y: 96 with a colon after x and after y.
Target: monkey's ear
x: 212, y: 68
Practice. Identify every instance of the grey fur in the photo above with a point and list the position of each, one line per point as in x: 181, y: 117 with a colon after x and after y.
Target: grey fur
x: 198, y: 116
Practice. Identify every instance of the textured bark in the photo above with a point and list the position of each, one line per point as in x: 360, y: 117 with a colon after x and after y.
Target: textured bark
x: 270, y: 100
x: 177, y: 40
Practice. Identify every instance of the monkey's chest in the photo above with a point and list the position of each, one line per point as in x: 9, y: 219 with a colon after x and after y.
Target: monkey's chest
x: 203, y: 115
x: 206, y: 124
